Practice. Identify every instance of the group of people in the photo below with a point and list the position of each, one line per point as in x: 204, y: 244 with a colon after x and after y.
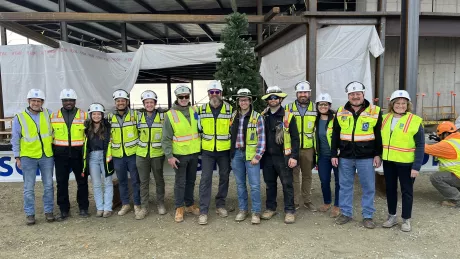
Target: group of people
x: 288, y: 141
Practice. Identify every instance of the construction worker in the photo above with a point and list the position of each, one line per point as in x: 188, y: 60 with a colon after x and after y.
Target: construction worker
x: 322, y: 142
x: 215, y: 145
x: 403, y: 141
x: 124, y: 136
x: 69, y: 135
x: 247, y: 147
x: 304, y: 111
x: 32, y: 147
x: 149, y: 154
x: 281, y: 155
x: 447, y: 180
x: 356, y: 133
x: 182, y: 144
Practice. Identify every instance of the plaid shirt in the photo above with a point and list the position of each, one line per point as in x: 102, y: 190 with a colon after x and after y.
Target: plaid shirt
x: 260, y: 135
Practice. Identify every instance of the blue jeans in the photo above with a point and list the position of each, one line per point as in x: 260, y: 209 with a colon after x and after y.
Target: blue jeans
x: 122, y: 165
x: 324, y: 171
x: 29, y: 168
x: 97, y: 166
x: 241, y: 167
x: 366, y: 174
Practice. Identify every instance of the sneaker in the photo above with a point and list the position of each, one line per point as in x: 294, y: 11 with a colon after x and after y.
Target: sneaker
x: 405, y: 227
x: 268, y: 214
x: 335, y: 212
x: 325, y: 207
x: 309, y: 206
x: 99, y: 213
x: 392, y: 220
x: 30, y: 220
x: 289, y: 218
x: 107, y: 214
x: 193, y: 209
x: 255, y: 218
x: 342, y: 219
x: 124, y: 210
x: 203, y: 219
x: 449, y: 204
x: 179, y: 217
x: 161, y: 209
x: 222, y: 212
x: 141, y: 214
x: 49, y: 217
x: 137, y: 209
x: 241, y: 216
x: 368, y: 223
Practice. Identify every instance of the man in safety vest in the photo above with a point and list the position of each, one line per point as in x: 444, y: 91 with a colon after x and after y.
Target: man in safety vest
x: 32, y: 147
x: 447, y: 181
x: 281, y: 155
x: 356, y: 132
x: 182, y: 144
x: 304, y: 111
x: 124, y: 136
x: 149, y: 155
x: 69, y: 136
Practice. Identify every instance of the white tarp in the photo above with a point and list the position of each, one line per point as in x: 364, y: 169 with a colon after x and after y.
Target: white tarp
x: 342, y: 57
x: 94, y: 75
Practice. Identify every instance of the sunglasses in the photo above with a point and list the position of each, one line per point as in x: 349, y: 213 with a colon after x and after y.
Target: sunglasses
x: 273, y: 97
x: 214, y: 92
x: 181, y: 97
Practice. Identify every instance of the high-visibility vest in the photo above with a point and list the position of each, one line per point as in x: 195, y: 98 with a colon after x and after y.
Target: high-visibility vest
x: 252, y: 136
x: 362, y: 129
x: 287, y: 150
x: 124, y: 137
x: 108, y: 157
x: 186, y: 139
x: 215, y: 133
x: 61, y: 132
x: 399, y: 145
x: 451, y: 165
x: 34, y: 143
x: 150, y: 137
x: 328, y: 136
x: 305, y: 123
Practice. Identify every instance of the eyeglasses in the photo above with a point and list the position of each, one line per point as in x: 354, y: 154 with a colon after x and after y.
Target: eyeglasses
x: 273, y: 97
x: 181, y: 97
x: 216, y: 92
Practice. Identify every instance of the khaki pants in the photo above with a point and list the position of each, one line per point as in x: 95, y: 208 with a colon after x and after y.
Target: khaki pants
x: 145, y: 165
x: 305, y: 165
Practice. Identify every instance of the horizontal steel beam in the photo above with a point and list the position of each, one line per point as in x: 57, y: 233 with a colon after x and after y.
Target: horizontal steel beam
x: 347, y: 21
x: 273, y: 12
x: 28, y: 33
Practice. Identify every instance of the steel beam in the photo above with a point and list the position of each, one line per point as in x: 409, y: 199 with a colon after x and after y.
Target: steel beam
x: 347, y: 21
x: 204, y: 27
x: 259, y: 26
x: 193, y: 93
x: 64, y: 32
x: 168, y: 86
x: 311, y: 48
x: 3, y: 36
x: 273, y: 12
x: 124, y: 46
x: 380, y: 62
x: 28, y: 33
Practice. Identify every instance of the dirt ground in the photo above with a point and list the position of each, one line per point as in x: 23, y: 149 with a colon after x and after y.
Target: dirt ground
x: 435, y: 232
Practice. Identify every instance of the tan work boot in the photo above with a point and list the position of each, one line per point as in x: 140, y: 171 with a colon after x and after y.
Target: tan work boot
x: 99, y: 213
x: 448, y: 204
x: 161, y: 209
x: 142, y: 213
x: 309, y: 206
x: 241, y: 216
x: 137, y: 209
x: 193, y: 209
x: 203, y: 219
x: 255, y: 219
x: 222, y: 212
x: 179, y: 217
x: 335, y: 212
x: 325, y: 207
x: 124, y: 210
x: 268, y: 214
x: 107, y: 214
x: 289, y: 218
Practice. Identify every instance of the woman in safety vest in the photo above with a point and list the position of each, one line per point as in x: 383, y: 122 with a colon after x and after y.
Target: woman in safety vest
x: 403, y: 151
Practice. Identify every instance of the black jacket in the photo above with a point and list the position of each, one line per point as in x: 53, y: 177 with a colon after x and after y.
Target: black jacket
x: 109, y: 168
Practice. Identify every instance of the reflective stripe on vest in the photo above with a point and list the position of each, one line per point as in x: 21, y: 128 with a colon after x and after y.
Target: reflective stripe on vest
x: 152, y: 135
x: 451, y: 165
x: 305, y: 123
x: 61, y: 131
x: 186, y: 139
x: 215, y: 132
x: 125, y: 134
x: 363, y: 129
x: 252, y: 136
x: 34, y: 141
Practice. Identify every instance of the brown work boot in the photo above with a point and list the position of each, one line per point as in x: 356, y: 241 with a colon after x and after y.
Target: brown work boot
x: 268, y: 214
x: 179, y: 217
x: 342, y: 219
x: 449, y: 204
x: 368, y: 223
x: 289, y: 218
x: 255, y: 219
x: 325, y: 207
x: 309, y: 206
x: 124, y: 210
x: 49, y: 217
x: 99, y: 213
x: 241, y: 216
x: 141, y: 214
x: 193, y: 209
x: 107, y: 214
x: 30, y: 220
x: 222, y: 212
x: 335, y: 212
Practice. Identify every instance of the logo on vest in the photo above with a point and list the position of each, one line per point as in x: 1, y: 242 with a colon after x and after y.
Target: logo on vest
x: 365, y: 126
x: 344, y: 118
x: 401, y: 125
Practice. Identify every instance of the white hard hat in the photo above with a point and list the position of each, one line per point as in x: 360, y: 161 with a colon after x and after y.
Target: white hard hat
x: 215, y: 85
x: 68, y: 94
x: 302, y: 86
x: 36, y: 93
x: 243, y: 92
x: 355, y: 87
x: 149, y: 94
x: 324, y: 98
x: 182, y: 89
x: 96, y: 107
x: 398, y: 94
x: 120, y: 93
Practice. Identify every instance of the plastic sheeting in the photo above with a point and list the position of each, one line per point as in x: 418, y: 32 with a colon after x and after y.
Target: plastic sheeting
x: 94, y: 75
x: 342, y: 57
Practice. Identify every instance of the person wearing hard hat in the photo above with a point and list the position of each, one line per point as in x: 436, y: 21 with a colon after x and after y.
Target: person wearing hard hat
x: 124, y: 136
x: 97, y: 159
x: 32, y: 148
x: 68, y: 141
x: 457, y: 123
x: 247, y: 131
x: 403, y: 141
x: 281, y: 155
x: 356, y: 133
x: 215, y: 148
x: 182, y: 144
x: 447, y: 180
x: 322, y: 143
x: 149, y: 155
x: 304, y: 112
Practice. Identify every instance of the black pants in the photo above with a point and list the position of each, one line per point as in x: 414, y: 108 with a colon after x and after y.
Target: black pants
x: 185, y: 180
x: 64, y: 165
x: 392, y: 172
x: 208, y: 161
x: 274, y: 167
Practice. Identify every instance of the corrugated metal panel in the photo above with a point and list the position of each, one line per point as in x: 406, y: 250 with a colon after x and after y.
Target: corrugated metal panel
x: 252, y: 3
x: 137, y: 31
x: 202, y: 4
x: 87, y: 6
x: 192, y: 29
x: 128, y: 6
x: 161, y: 27
x: 216, y: 28
x: 165, y: 5
x: 14, y: 7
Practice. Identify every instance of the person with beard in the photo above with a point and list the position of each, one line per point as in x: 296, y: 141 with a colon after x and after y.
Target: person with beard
x: 215, y: 145
x: 356, y: 133
x: 124, y: 136
x: 281, y: 155
x: 68, y: 142
x: 32, y: 148
x: 182, y: 144
x: 304, y: 111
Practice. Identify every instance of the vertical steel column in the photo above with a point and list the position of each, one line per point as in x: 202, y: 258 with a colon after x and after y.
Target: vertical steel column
x: 311, y: 48
x: 380, y: 64
x: 124, y: 45
x: 193, y: 93
x: 3, y: 35
x: 259, y: 26
x: 64, y: 32
x: 2, y: 115
x: 168, y: 85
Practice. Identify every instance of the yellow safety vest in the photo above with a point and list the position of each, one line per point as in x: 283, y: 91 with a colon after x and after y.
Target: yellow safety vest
x: 399, y: 144
x: 451, y: 165
x: 34, y: 143
x: 305, y: 123
x: 328, y: 136
x: 215, y: 129
x: 124, y: 137
x: 150, y: 138
x: 360, y: 130
x: 287, y: 136
x: 252, y: 136
x: 61, y: 132
x: 186, y: 139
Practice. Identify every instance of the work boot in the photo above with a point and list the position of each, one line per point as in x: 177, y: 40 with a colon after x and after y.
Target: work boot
x: 324, y: 207
x: 268, y: 214
x: 289, y: 218
x: 297, y: 206
x: 309, y: 206
x: 335, y: 212
x: 49, y: 217
x: 193, y: 209
x: 255, y: 219
x: 84, y: 213
x: 203, y: 219
x: 124, y: 210
x: 141, y: 214
x: 368, y: 223
x: 179, y: 217
x: 63, y: 216
x: 99, y: 213
x: 30, y: 220
x: 241, y: 216
x: 222, y: 212
x: 107, y: 214
x: 449, y: 204
x: 342, y: 219
x: 405, y: 227
x: 392, y: 220
x: 137, y: 210
x: 161, y: 209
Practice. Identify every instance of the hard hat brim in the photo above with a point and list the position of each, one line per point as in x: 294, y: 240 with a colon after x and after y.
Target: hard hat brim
x: 281, y: 95
x: 253, y: 97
